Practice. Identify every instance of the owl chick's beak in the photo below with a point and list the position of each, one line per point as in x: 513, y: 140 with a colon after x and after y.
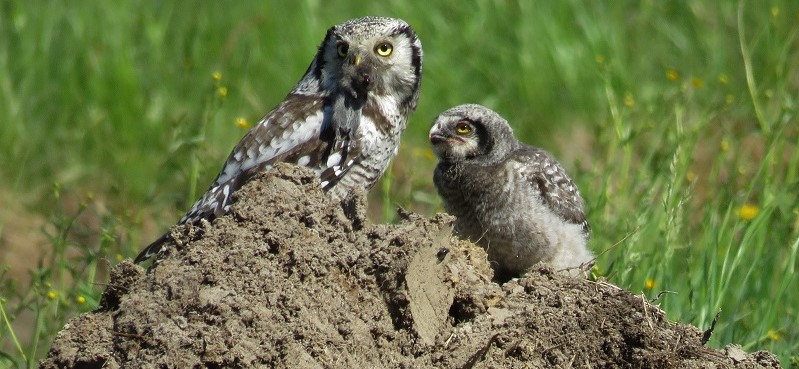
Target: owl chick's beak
x: 437, y: 138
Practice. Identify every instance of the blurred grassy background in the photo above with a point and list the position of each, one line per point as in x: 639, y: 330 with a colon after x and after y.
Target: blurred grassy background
x: 676, y: 119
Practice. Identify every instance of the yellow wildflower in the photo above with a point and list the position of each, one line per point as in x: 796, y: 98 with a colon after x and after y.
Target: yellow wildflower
x: 57, y: 190
x: 242, y: 123
x: 649, y: 284
x: 599, y: 59
x: 774, y: 335
x: 118, y: 257
x: 690, y: 176
x: 724, y: 79
x: 725, y: 145
x: 222, y: 91
x: 672, y: 75
x: 697, y: 83
x: 217, y: 76
x: 729, y: 99
x: 52, y: 294
x: 742, y: 170
x: 775, y: 11
x: 628, y: 100
x: 425, y: 153
x: 80, y: 299
x: 748, y: 212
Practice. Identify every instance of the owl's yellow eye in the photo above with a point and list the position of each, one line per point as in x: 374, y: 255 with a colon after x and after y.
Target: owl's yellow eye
x: 463, y: 128
x: 342, y: 49
x: 384, y: 49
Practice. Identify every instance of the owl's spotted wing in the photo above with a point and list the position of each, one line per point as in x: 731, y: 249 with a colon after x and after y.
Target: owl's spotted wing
x: 298, y: 131
x: 557, y: 190
x: 290, y: 131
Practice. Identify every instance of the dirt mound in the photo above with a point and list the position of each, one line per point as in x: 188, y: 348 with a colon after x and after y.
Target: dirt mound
x: 292, y: 280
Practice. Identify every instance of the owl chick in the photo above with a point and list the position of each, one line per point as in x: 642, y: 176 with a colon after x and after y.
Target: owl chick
x: 343, y: 119
x: 512, y: 199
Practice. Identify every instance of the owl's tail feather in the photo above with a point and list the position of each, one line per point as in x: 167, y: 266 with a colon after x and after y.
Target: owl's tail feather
x: 152, y: 249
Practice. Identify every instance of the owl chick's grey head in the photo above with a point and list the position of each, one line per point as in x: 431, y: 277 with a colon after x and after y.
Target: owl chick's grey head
x: 369, y: 55
x: 472, y: 133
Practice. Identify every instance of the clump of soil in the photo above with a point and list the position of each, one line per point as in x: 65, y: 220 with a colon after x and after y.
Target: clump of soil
x: 290, y: 279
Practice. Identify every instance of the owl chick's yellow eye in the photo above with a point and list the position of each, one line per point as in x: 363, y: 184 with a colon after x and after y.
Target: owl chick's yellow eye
x: 463, y: 129
x: 384, y: 49
x: 342, y: 49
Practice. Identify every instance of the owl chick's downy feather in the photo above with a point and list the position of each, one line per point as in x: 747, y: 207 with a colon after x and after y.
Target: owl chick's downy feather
x: 514, y: 200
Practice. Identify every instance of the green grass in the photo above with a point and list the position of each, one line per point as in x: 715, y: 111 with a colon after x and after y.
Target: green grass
x: 670, y: 116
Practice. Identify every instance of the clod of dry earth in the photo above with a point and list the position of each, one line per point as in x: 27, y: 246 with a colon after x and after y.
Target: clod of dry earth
x: 292, y: 280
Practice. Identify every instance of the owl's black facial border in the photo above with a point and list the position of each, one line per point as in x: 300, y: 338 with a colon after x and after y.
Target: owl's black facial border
x: 342, y: 48
x: 416, y: 63
x: 484, y: 139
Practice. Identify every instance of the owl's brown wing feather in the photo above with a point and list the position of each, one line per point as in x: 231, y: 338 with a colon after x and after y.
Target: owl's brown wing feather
x: 294, y: 132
